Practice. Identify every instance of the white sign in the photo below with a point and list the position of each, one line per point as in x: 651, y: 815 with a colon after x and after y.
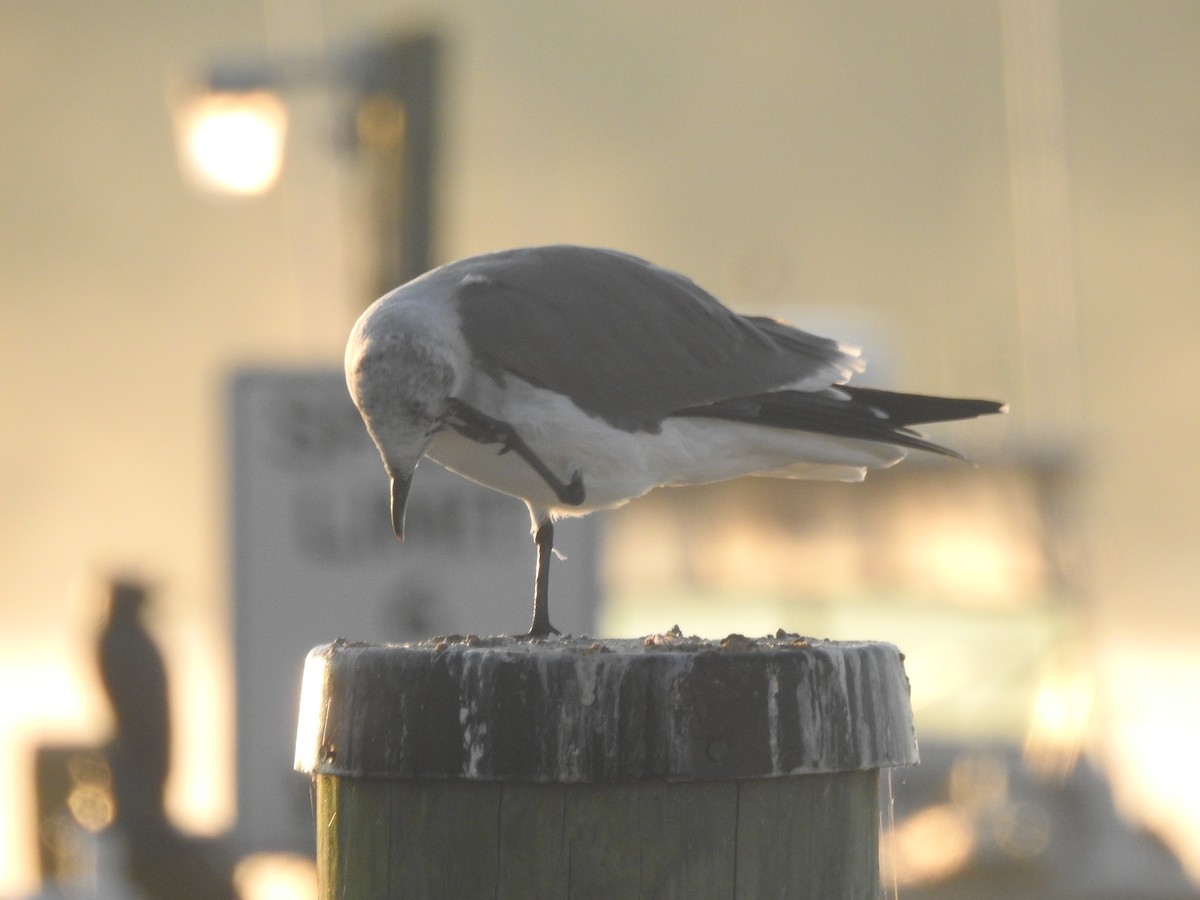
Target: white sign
x: 314, y: 559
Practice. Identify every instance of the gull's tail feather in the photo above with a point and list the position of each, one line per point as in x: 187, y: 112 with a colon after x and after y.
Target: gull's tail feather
x: 862, y: 413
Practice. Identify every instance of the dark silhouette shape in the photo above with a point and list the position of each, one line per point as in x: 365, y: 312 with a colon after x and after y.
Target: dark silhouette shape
x: 162, y: 862
x: 135, y: 680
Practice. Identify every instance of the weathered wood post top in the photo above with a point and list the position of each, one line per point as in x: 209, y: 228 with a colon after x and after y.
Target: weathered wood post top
x: 664, y: 707
x: 652, y: 768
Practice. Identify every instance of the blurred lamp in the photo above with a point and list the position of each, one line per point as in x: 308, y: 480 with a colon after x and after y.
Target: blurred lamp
x: 232, y: 142
x: 230, y: 134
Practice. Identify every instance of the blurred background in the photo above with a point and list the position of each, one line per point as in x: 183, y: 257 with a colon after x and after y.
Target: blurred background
x: 995, y: 198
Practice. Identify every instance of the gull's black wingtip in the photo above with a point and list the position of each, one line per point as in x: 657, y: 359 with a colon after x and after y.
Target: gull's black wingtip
x: 903, y: 410
x: 867, y: 414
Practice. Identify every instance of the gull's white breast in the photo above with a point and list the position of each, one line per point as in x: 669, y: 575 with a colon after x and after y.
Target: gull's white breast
x: 618, y: 465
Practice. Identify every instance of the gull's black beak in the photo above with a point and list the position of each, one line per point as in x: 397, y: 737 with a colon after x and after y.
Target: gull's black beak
x: 400, y: 486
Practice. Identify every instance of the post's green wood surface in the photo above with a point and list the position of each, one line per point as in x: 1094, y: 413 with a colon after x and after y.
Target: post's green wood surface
x: 530, y: 821
x: 802, y: 836
x: 809, y: 836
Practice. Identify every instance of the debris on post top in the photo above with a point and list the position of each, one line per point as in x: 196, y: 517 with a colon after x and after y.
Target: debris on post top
x: 573, y: 709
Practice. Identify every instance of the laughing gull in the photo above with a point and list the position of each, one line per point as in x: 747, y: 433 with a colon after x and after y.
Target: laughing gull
x: 577, y: 379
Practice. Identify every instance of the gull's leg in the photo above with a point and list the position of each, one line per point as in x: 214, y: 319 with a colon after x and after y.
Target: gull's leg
x: 544, y: 539
x: 483, y: 429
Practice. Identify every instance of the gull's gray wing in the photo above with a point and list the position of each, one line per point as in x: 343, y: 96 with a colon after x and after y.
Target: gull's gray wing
x: 627, y: 341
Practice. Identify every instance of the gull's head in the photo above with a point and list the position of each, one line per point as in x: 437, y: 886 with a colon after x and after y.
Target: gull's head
x: 399, y: 381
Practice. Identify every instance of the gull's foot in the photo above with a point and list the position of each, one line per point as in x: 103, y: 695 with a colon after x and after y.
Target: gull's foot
x: 573, y: 494
x: 538, y: 634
